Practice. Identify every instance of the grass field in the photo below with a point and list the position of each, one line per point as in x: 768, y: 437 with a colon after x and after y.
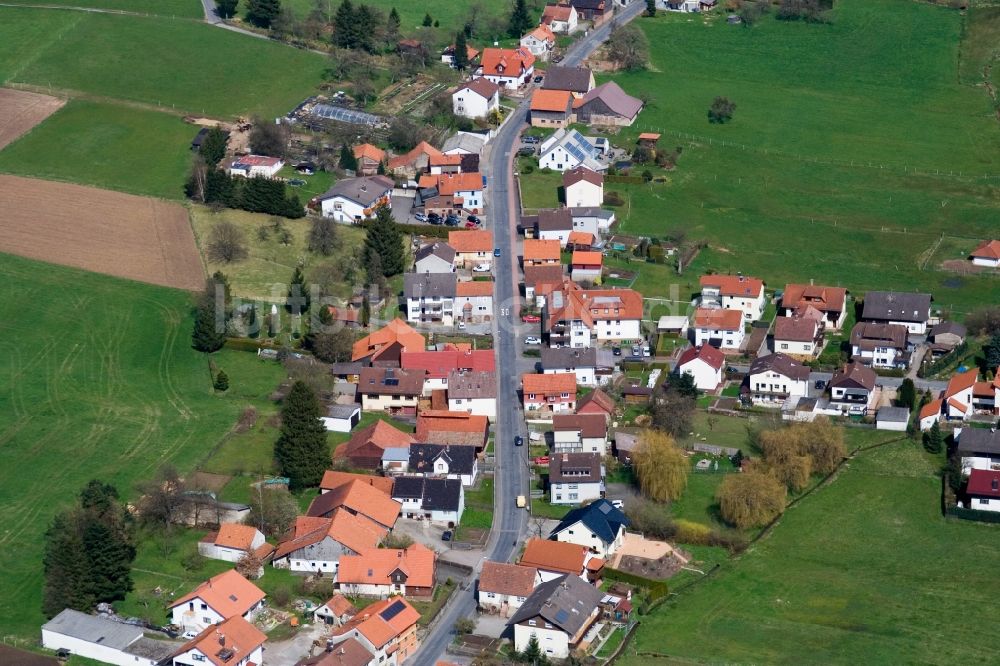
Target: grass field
x: 862, y: 571
x: 183, y: 66
x: 773, y: 192
x: 109, y: 146
x: 178, y: 8
x: 99, y: 381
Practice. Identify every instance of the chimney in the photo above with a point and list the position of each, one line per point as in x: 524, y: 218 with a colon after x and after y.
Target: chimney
x: 222, y: 639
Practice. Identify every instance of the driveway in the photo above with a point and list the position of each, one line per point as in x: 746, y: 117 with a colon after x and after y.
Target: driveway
x: 289, y: 652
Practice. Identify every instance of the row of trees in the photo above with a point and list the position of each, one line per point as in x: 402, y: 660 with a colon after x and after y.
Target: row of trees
x: 89, y: 551
x: 213, y: 186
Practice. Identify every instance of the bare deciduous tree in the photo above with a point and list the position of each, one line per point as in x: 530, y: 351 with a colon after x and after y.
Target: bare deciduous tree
x: 226, y: 243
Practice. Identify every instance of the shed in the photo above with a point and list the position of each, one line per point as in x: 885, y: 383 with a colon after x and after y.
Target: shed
x: 672, y: 324
x: 892, y: 418
x: 342, y: 418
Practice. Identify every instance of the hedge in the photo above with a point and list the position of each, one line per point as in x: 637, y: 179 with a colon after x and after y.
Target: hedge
x: 248, y: 344
x: 435, y: 230
x: 973, y: 514
x: 657, y: 588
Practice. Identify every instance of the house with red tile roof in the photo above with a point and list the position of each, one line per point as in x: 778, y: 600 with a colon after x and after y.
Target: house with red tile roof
x: 504, y: 587
x: 540, y: 41
x: 219, y: 598
x: 446, y: 164
x: 315, y: 544
x: 464, y: 189
x: 448, y: 427
x: 335, y: 612
x: 556, y: 558
x: 508, y: 68
x: 350, y: 652
x: 387, y: 629
x: 561, y: 18
x: 385, y: 346
x: 256, y: 166
x: 437, y: 365
x: 448, y: 55
x: 333, y: 479
x: 472, y: 247
x: 551, y: 108
x: 231, y: 542
x: 384, y: 571
x: 734, y: 292
x: 549, y: 393
x: 986, y: 254
x: 586, y: 266
x: 596, y: 402
x: 718, y: 327
x: 538, y: 252
x: 360, y: 499
x: 704, y: 364
x: 233, y: 642
x: 365, y: 447
x: 801, y: 334
x: 369, y: 158
x: 414, y: 162
x: 577, y: 316
x: 830, y: 301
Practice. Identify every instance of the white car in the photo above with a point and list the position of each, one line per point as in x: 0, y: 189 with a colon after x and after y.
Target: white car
x: 532, y: 340
x: 461, y: 325
x: 481, y: 268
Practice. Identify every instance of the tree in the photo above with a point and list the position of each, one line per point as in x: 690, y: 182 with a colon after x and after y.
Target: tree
x: 65, y: 567
x: 660, y: 466
x: 750, y: 12
x: 345, y: 33
x: 383, y: 239
x: 984, y: 320
x: 684, y: 385
x: 249, y: 566
x: 795, y: 452
x: 347, y: 160
x: 333, y: 347
x: 520, y: 19
x: 323, y: 238
x: 262, y: 13
x: 221, y: 381
x: 461, y: 51
x: 298, y: 293
x: 392, y: 27
x: 934, y: 439
x: 301, y: 450
x: 213, y: 146
x: 721, y: 110
x: 750, y: 499
x: 370, y: 26
x: 651, y: 8
x: 464, y: 625
x: 992, y: 352
x: 209, y: 333
x: 672, y: 412
x: 907, y: 396
x: 403, y: 133
x: 366, y: 313
x: 109, y: 562
x: 226, y: 243
x: 161, y: 499
x: 532, y: 653
x: 272, y: 511
x: 267, y: 138
x: 226, y: 8
x: 628, y: 48
x: 428, y: 21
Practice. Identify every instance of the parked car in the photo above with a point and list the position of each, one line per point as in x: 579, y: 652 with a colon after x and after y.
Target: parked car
x: 530, y: 139
x: 538, y: 79
x: 617, y: 351
x: 451, y: 221
x: 526, y: 151
x: 531, y: 319
x: 481, y: 268
x: 434, y: 218
x: 473, y: 219
x: 542, y: 460
x: 472, y: 225
x: 532, y: 340
x: 496, y: 252
x: 446, y: 535
x: 645, y: 350
x: 461, y: 325
x: 518, y: 440
x: 636, y: 350
x: 419, y: 217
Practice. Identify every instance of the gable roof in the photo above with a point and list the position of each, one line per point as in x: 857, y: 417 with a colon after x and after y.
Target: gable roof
x: 987, y: 250
x: 391, y: 381
x: 506, y: 62
x: 930, y: 409
x: 364, y: 191
x: 435, y: 494
x: 796, y: 329
x: 783, y: 364
x: 422, y: 149
x: 472, y: 385
x: 824, y: 299
x: 554, y: 219
x: 230, y: 641
x: 575, y: 467
x: 573, y: 79
x: 961, y: 381
x: 554, y: 101
x: 948, y: 328
x: 504, y: 578
x: 575, y: 145
x: 345, y: 653
x: 482, y: 87
x: 449, y: 184
x: 979, y: 440
x: 600, y: 517
x: 93, y: 629
x: 868, y: 335
x: 566, y: 602
x: 375, y: 566
x: 334, y: 479
x: 568, y: 357
x: 733, y: 285
x: 559, y: 12
x: 856, y: 373
x: 440, y: 249
x: 554, y: 556
x: 617, y: 100
x: 461, y: 459
x: 228, y: 594
x: 374, y: 153
x: 580, y: 238
x: 581, y: 174
x: 474, y: 288
x: 235, y: 535
x: 541, y: 250
x: 718, y: 318
x: 896, y: 306
x: 396, y: 330
x: 542, y: 33
x: 552, y: 273
x: 596, y: 400
x: 380, y: 434
x: 383, y: 621
x: 586, y: 258
x: 429, y: 285
x: 358, y: 498
x: 471, y: 240
x: 445, y: 427
x: 439, y: 364
x: 984, y: 483
x: 560, y: 382
x: 589, y: 425
x: 706, y: 353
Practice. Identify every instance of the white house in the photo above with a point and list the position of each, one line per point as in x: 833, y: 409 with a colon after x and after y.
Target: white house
x: 734, y: 292
x: 104, y: 640
x: 438, y: 257
x: 430, y: 297
x: 801, y: 334
x: 551, y: 224
x: 443, y: 461
x: 558, y: 614
x: 979, y: 448
x: 508, y: 68
x: 852, y: 390
x: 679, y: 5
x: 474, y: 392
x: 599, y: 526
x: 464, y: 189
x: 582, y: 362
x: 436, y: 500
x: 503, y: 588
x: 316, y: 544
x: 880, y: 345
x: 898, y: 308
x: 575, y: 478
x: 384, y: 633
x: 477, y: 98
x: 704, y: 364
x: 775, y: 378
x: 219, y: 598
x: 231, y: 542
x: 987, y: 254
x: 575, y: 316
x: 563, y: 19
x: 234, y: 642
x: 583, y: 188
x: 335, y: 612
x: 983, y: 490
x: 580, y: 433
x: 539, y: 42
x: 719, y: 328
x: 256, y: 166
x: 341, y: 418
x: 386, y: 571
x: 354, y: 199
x: 568, y: 149
x: 592, y: 220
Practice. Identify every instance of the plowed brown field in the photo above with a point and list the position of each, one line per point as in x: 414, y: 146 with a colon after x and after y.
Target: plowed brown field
x: 138, y: 238
x: 20, y: 111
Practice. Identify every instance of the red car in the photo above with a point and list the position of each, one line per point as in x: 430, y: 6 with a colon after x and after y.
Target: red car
x: 542, y: 460
x: 471, y: 225
x: 531, y: 319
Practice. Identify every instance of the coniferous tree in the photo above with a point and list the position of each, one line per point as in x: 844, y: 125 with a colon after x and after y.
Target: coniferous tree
x: 934, y: 439
x: 226, y: 8
x: 345, y: 33
x: 262, y: 13
x: 109, y: 561
x: 392, y: 25
x: 298, y: 293
x: 650, y: 8
x: 213, y: 147
x: 301, y: 450
x: 209, y: 332
x: 428, y: 21
x: 366, y: 313
x: 907, y: 394
x: 347, y: 160
x: 369, y: 26
x: 385, y: 241
x: 65, y: 567
x: 221, y: 381
x: 461, y: 51
x: 520, y: 19
x: 992, y: 352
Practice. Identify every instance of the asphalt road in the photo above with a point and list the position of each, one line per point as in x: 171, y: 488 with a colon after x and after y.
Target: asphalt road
x: 511, y: 475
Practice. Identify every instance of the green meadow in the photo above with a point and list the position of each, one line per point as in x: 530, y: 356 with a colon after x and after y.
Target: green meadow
x: 175, y: 8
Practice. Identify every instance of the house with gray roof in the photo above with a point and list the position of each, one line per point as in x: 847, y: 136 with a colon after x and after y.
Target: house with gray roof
x: 464, y: 143
x: 438, y: 257
x: 899, y: 308
x: 945, y: 336
x: 577, y: 80
x: 592, y: 220
x: 775, y: 378
x: 553, y: 224
x: 352, y: 200
x: 581, y: 361
x: 599, y: 526
x: 608, y: 104
x: 444, y: 461
x: 979, y: 448
x: 558, y: 614
x: 892, y: 418
x: 103, y: 639
x: 568, y: 149
x: 430, y: 297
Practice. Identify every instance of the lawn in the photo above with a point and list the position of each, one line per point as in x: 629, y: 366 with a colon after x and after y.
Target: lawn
x: 100, y: 381
x: 862, y: 571
x: 108, y: 146
x: 176, y: 8
x: 182, y: 66
x: 271, y: 261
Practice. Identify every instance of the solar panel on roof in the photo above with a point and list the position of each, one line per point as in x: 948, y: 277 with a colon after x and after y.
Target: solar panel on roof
x: 393, y: 610
x: 604, y: 508
x: 562, y: 616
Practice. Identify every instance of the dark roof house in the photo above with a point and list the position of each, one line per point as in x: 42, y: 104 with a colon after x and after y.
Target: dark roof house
x: 433, y: 494
x: 461, y: 459
x: 574, y: 79
x: 566, y: 602
x: 608, y: 102
x: 854, y: 375
x: 575, y: 468
x: 782, y: 364
x: 568, y: 358
x: 887, y: 306
x: 600, y: 517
